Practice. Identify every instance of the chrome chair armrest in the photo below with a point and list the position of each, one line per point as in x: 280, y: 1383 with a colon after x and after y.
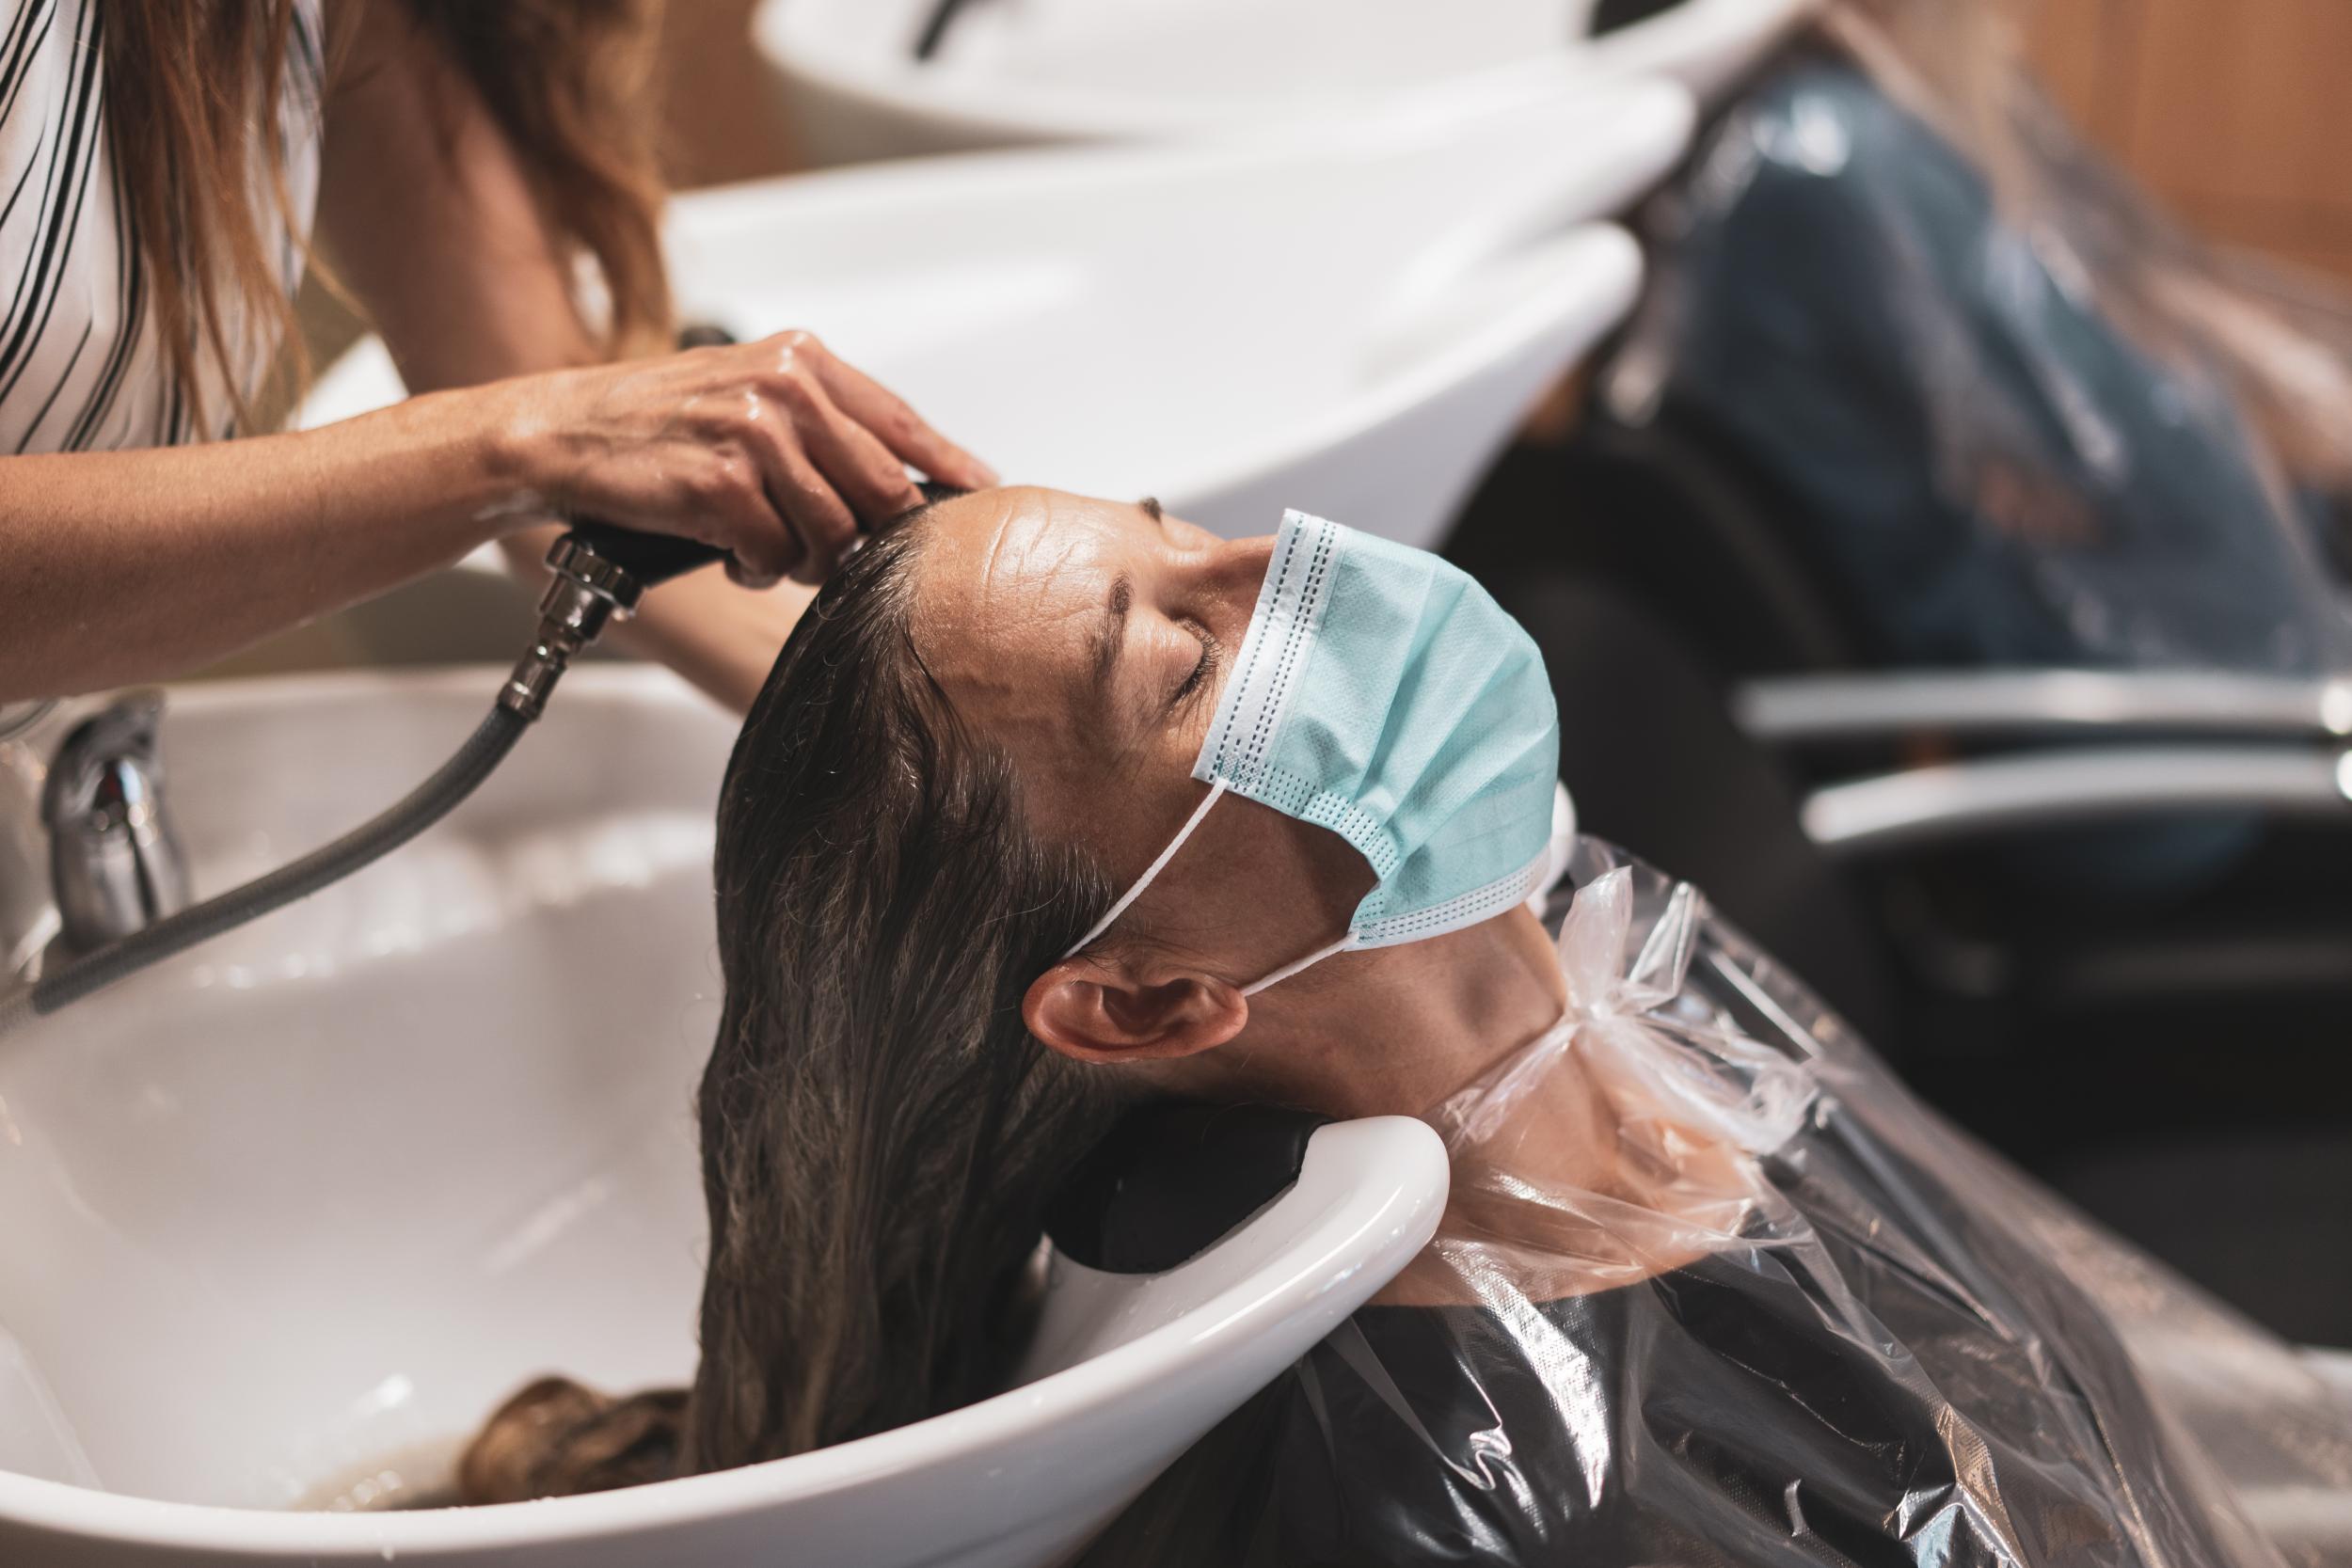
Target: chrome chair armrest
x: 1805, y: 709
x: 1990, y: 796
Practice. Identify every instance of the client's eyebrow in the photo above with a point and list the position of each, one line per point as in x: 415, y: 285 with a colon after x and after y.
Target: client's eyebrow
x: 1110, y: 635
x: 1150, y: 507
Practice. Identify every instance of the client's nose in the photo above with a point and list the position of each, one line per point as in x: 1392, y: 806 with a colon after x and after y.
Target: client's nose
x: 1243, y: 563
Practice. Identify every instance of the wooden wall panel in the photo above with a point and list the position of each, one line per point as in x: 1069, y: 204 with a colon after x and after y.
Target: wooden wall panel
x: 722, y: 121
x: 2084, y: 50
x: 2245, y: 100
x: 2231, y: 113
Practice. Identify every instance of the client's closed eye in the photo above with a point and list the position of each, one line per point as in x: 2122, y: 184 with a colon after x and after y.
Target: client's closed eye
x: 1198, y: 679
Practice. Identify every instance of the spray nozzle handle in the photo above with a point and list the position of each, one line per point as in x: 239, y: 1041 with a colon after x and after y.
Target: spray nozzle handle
x: 601, y: 572
x: 592, y: 551
x: 647, y: 560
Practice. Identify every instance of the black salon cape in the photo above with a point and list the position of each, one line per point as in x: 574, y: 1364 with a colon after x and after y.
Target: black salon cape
x: 1726, y: 1413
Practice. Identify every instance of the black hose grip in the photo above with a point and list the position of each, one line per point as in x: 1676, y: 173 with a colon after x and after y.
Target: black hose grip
x: 656, y: 558
x: 651, y: 559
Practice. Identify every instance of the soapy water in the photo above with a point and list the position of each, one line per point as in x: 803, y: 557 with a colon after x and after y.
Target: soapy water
x: 421, y: 1475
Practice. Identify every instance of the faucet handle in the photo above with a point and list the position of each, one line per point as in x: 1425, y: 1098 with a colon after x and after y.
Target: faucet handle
x: 114, y: 861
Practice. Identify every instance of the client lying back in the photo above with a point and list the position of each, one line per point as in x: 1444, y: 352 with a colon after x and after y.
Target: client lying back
x: 1711, y: 1289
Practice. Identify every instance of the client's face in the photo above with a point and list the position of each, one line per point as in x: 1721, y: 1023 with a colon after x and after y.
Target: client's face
x: 1090, y: 638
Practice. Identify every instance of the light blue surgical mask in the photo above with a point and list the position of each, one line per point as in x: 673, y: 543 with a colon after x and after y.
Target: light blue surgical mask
x: 1382, y: 693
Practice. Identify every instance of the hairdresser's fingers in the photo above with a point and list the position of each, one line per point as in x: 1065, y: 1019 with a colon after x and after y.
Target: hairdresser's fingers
x: 873, y: 482
x: 762, y: 546
x: 726, y: 495
x: 744, y: 579
x: 821, y: 519
x: 898, y: 427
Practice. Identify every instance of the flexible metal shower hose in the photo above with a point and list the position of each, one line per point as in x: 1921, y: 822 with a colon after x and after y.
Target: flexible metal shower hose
x: 425, y: 805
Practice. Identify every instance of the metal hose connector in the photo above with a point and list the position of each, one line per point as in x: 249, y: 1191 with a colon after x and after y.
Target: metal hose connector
x: 589, y: 592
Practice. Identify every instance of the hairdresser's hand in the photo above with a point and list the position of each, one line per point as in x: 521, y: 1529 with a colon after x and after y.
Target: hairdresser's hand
x: 775, y: 451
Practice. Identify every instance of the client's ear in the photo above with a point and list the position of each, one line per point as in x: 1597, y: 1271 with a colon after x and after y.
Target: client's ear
x: 1099, y: 1008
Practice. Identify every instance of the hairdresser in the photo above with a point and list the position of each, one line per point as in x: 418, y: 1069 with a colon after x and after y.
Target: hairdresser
x: 475, y: 174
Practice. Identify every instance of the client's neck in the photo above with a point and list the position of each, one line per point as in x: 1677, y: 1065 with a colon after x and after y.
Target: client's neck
x: 1395, y: 1030
x: 1402, y: 1030
x: 1536, y: 1155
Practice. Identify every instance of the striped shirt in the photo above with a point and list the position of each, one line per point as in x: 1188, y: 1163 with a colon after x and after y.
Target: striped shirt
x: 82, y: 364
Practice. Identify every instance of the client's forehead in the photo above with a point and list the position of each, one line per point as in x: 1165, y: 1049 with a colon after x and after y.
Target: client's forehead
x: 1011, y: 571
x: 1008, y: 587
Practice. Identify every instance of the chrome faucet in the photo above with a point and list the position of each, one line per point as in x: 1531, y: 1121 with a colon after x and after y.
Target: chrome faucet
x: 114, y: 864
x: 28, y: 913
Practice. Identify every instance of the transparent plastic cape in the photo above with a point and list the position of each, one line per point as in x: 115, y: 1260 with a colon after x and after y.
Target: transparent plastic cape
x: 1800, y: 1320
x: 2002, y: 411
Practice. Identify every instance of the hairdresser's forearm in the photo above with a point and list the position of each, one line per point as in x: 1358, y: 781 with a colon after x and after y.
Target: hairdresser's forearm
x: 136, y: 565
x: 435, y: 230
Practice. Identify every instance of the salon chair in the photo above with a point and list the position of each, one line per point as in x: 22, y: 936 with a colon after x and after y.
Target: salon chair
x: 1897, y: 837
x: 1919, y: 783
x: 1159, y: 1317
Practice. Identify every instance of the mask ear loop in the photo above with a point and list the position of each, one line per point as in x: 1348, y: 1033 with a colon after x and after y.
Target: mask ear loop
x: 1149, y: 872
x: 1307, y: 962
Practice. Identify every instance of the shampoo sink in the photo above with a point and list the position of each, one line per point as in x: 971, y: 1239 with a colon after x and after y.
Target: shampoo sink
x: 288, y: 1215
x: 1346, y: 319
x: 1022, y: 73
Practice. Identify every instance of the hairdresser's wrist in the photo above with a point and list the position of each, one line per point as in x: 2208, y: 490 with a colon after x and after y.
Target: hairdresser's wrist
x: 448, y: 465
x: 515, y: 454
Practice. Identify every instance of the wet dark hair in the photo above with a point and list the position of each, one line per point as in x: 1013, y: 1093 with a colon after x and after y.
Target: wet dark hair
x: 879, y: 1132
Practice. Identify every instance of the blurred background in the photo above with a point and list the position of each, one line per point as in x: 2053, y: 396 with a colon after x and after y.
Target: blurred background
x: 2174, y: 1052
x: 2231, y: 112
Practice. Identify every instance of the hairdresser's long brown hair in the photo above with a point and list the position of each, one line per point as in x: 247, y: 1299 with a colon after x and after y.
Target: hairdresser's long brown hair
x: 194, y: 106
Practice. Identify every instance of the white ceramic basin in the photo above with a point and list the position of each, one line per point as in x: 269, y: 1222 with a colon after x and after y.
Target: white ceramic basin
x: 287, y: 1216
x: 318, y: 1191
x: 1349, y: 319
x: 1016, y: 73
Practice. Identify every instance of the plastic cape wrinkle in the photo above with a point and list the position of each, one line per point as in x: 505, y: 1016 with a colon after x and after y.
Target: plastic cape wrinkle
x: 1801, y: 1320
x: 1609, y: 996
